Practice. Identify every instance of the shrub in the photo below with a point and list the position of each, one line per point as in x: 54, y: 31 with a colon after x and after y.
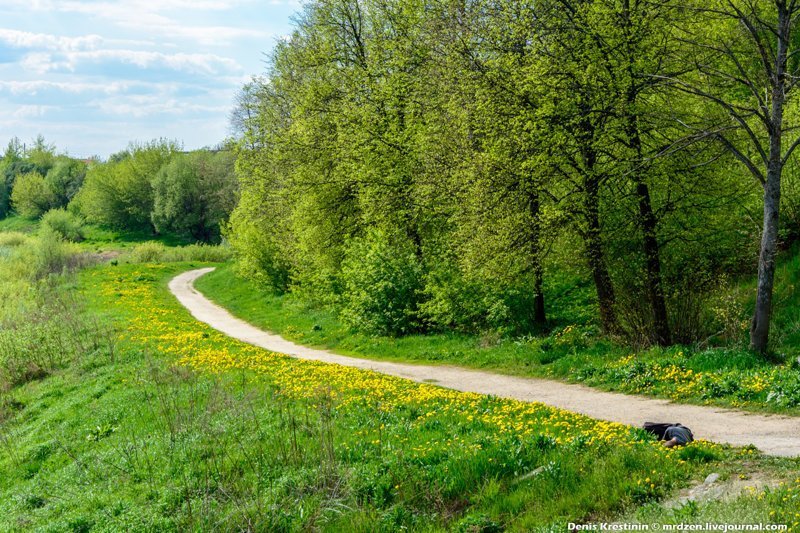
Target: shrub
x: 47, y: 254
x: 258, y: 257
x: 31, y: 196
x: 474, y: 305
x: 382, y: 285
x: 66, y: 224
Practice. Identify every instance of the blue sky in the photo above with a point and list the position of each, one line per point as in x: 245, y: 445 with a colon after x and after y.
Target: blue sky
x: 93, y: 75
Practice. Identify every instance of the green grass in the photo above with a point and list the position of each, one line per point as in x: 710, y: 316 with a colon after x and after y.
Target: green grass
x: 18, y: 223
x: 100, y: 237
x: 719, y: 376
x: 131, y: 440
x: 175, y: 427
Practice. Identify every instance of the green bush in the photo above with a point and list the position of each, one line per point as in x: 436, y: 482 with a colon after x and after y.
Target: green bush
x: 257, y: 255
x: 47, y: 254
x: 382, y: 278
x: 64, y: 223
x: 32, y: 196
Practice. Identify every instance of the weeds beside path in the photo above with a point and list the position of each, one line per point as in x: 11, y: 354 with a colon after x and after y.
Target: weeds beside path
x: 774, y: 435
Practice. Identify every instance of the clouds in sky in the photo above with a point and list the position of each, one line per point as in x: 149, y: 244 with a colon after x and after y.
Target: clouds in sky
x: 93, y: 75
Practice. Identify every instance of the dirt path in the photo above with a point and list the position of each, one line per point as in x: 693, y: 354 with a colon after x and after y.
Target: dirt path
x: 774, y: 435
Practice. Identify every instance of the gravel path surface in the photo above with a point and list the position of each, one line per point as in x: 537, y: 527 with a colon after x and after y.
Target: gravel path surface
x: 772, y: 434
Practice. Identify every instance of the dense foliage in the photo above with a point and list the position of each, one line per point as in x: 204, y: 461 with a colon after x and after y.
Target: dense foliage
x: 469, y: 153
x: 152, y: 187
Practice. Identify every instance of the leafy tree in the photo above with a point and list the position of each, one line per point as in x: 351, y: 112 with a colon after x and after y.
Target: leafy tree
x: 120, y: 193
x: 65, y: 179
x: 194, y: 194
x: 31, y: 197
x: 42, y: 154
x: 745, y: 59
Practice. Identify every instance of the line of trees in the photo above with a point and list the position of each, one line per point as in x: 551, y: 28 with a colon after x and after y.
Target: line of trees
x: 442, y: 164
x: 152, y: 186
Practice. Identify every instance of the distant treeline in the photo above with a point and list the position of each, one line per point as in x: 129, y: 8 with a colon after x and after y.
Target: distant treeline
x: 153, y: 186
x: 446, y: 165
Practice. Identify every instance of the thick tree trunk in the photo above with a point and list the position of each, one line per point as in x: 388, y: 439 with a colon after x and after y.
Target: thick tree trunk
x: 595, y: 254
x: 655, y: 287
x: 652, y: 252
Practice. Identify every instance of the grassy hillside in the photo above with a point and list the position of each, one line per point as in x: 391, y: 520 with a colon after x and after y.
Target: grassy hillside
x: 145, y: 419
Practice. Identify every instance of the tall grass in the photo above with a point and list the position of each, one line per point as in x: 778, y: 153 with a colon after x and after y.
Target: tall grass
x: 156, y: 252
x: 47, y: 334
x: 42, y: 326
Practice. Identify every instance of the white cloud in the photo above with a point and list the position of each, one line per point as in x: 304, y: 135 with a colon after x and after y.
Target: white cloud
x: 43, y: 41
x: 33, y: 87
x: 30, y: 111
x: 210, y: 64
x: 140, y: 106
x: 146, y: 16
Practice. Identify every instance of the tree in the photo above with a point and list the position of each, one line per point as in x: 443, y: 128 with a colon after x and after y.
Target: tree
x: 120, y: 193
x: 65, y: 178
x: 42, y: 154
x: 31, y: 197
x: 195, y: 194
x: 744, y: 61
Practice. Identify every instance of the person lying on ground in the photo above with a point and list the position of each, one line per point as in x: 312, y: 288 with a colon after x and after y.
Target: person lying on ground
x: 677, y: 435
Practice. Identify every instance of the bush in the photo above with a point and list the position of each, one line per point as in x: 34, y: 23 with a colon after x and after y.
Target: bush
x: 64, y: 223
x: 155, y: 252
x: 382, y: 279
x: 48, y: 254
x: 31, y: 196
x: 258, y: 257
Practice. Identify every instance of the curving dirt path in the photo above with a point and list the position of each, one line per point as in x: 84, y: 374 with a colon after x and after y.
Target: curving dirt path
x: 772, y: 434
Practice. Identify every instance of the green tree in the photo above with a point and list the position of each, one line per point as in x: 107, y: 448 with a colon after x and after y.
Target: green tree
x: 65, y: 178
x: 745, y: 62
x: 195, y: 194
x: 119, y: 193
x: 31, y: 197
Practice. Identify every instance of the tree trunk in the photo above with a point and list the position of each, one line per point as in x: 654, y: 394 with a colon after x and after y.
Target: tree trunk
x: 648, y: 223
x: 759, y: 329
x: 539, y: 316
x: 655, y: 288
x: 647, y: 218
x: 595, y: 252
x: 534, y: 206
